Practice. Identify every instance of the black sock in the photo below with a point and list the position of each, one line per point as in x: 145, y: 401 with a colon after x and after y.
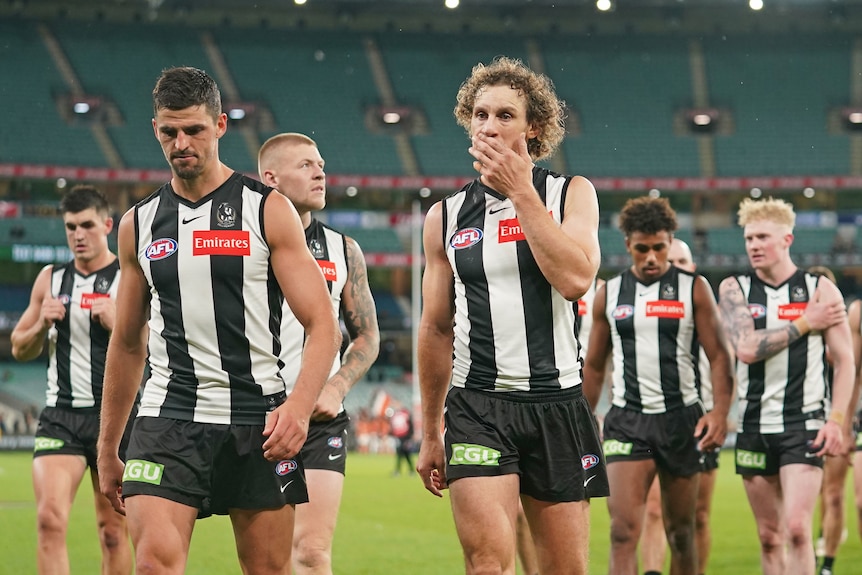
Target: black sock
x: 652, y: 572
x: 827, y: 563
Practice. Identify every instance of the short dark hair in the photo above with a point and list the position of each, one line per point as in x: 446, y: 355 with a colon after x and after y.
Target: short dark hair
x: 82, y: 197
x: 183, y: 87
x: 647, y: 215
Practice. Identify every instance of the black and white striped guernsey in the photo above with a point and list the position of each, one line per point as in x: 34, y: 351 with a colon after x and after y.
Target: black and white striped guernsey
x: 215, y: 305
x: 787, y: 391
x: 513, y: 331
x: 652, y: 331
x: 329, y: 248
x: 77, y: 345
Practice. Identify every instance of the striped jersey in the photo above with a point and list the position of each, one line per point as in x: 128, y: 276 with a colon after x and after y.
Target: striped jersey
x: 513, y: 331
x: 77, y: 345
x: 653, y: 333
x: 787, y: 391
x: 215, y: 307
x: 329, y: 248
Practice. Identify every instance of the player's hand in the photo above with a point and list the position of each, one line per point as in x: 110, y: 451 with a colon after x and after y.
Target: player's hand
x: 829, y: 440
x: 110, y: 469
x: 822, y: 313
x: 431, y: 465
x: 502, y: 169
x: 328, y: 404
x: 712, y: 429
x: 104, y: 311
x: 285, y: 431
x: 52, y: 311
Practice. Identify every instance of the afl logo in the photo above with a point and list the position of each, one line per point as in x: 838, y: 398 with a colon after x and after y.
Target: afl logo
x: 589, y: 460
x: 335, y: 442
x: 757, y: 310
x: 466, y: 238
x: 285, y: 467
x: 160, y: 249
x: 623, y: 312
x: 64, y: 298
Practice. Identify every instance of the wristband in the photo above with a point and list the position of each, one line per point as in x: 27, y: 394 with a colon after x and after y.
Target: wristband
x: 837, y: 417
x: 801, y: 324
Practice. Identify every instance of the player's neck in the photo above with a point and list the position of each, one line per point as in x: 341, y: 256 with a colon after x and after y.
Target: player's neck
x: 193, y: 189
x: 305, y: 218
x: 778, y: 273
x: 87, y: 267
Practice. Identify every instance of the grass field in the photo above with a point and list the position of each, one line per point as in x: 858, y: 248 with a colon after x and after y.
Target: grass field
x: 388, y: 525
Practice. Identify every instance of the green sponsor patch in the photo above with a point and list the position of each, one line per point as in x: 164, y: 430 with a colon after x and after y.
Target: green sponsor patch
x: 750, y: 459
x: 614, y: 447
x: 48, y: 444
x: 859, y: 439
x: 469, y: 454
x: 143, y: 471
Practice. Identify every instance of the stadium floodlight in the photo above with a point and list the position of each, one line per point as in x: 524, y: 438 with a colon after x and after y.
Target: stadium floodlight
x: 451, y: 4
x: 703, y: 120
x: 851, y: 118
x: 755, y: 4
x: 604, y: 5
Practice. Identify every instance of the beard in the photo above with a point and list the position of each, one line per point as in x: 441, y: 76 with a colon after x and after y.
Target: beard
x: 187, y: 171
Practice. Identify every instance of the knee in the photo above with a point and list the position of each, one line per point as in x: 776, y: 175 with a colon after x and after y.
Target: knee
x: 798, y: 533
x: 680, y: 538
x: 701, y: 519
x: 311, y: 553
x: 771, y: 540
x: 623, y: 533
x: 653, y: 512
x: 51, y: 520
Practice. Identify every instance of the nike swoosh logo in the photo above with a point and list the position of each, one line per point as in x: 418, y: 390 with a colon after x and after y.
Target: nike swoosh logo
x: 189, y: 220
x: 286, y: 485
x: 498, y: 210
x: 809, y: 455
x: 642, y: 294
x: 590, y: 478
x: 334, y: 456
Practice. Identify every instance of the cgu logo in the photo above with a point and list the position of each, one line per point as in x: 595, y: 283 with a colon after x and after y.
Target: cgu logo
x: 469, y: 454
x: 466, y: 238
x: 615, y: 447
x: 160, y: 249
x: 285, y: 467
x: 143, y: 471
x: 757, y: 310
x: 750, y: 459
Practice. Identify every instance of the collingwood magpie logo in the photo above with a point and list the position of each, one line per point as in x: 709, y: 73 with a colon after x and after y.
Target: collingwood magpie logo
x: 798, y: 294
x: 226, y: 215
x: 102, y: 285
x: 316, y: 249
x: 668, y: 292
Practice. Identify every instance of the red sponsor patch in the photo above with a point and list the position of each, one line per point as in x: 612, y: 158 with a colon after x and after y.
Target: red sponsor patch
x: 666, y: 309
x: 328, y: 269
x: 791, y: 311
x: 582, y: 307
x: 510, y: 231
x: 87, y: 299
x: 221, y: 243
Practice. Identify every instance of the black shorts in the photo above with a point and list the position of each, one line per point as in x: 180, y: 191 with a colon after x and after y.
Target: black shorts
x: 326, y: 445
x: 709, y: 459
x: 64, y: 431
x: 668, y: 438
x: 211, y: 467
x: 552, y: 442
x: 765, y: 454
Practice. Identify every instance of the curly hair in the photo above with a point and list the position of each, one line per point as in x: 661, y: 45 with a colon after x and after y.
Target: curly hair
x: 544, y: 109
x: 770, y: 209
x: 647, y: 215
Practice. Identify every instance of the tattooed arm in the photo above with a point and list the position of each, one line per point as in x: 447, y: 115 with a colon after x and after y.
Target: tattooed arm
x: 752, y: 345
x: 360, y: 317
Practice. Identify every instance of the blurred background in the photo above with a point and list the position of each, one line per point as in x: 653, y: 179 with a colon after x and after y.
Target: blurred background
x: 704, y: 102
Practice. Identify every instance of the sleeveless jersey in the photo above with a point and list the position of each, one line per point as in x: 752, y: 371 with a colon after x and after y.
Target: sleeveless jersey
x: 215, y: 306
x: 787, y: 391
x: 77, y: 345
x: 329, y: 248
x: 513, y: 331
x: 653, y: 333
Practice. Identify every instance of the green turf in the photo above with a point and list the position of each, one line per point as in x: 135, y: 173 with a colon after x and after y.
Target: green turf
x: 388, y: 525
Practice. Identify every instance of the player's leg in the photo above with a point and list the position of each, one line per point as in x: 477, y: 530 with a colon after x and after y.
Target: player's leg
x: 315, y: 523
x: 764, y: 497
x: 55, y: 481
x: 253, y: 531
x: 702, y: 530
x: 834, y: 476
x: 679, y: 501
x: 800, y: 485
x: 629, y: 483
x: 526, y: 547
x: 113, y: 534
x: 857, y: 485
x: 161, y: 531
x: 653, y: 543
x: 561, y: 532
x: 485, y: 510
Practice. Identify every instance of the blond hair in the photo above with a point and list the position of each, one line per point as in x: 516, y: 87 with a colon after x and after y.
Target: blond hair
x: 267, y: 151
x: 770, y: 209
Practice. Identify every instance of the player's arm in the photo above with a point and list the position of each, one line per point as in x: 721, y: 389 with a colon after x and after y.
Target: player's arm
x: 28, y: 337
x: 360, y: 318
x: 839, y: 341
x: 436, y: 336
x: 854, y: 319
x: 752, y: 345
x: 304, y: 288
x: 124, y: 365
x: 712, y: 340
x: 598, y: 350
